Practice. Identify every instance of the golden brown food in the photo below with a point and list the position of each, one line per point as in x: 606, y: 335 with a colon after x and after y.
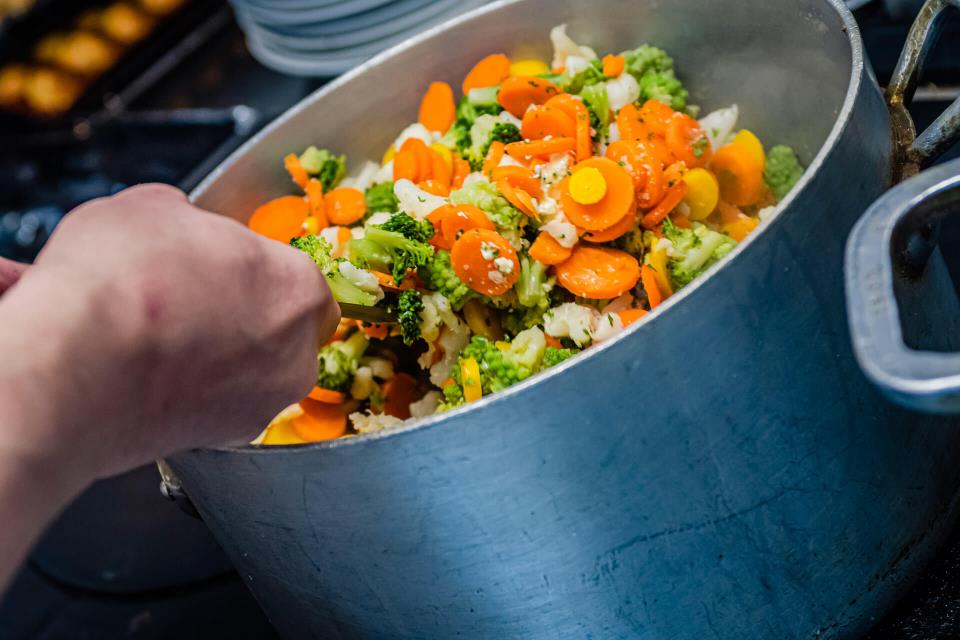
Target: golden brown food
x: 14, y: 7
x: 85, y: 53
x: 89, y: 20
x: 50, y: 92
x: 124, y: 23
x: 48, y: 49
x: 160, y: 7
x: 12, y: 80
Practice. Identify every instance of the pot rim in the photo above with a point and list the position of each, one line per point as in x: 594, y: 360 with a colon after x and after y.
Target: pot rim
x: 429, y: 422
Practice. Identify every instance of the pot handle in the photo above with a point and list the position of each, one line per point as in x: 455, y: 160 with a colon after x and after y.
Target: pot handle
x: 172, y: 489
x: 910, y: 150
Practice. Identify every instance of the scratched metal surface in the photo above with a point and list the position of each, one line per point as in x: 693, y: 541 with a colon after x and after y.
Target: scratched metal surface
x: 722, y: 470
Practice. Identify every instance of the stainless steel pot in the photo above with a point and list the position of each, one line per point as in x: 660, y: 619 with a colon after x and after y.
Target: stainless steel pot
x: 721, y: 470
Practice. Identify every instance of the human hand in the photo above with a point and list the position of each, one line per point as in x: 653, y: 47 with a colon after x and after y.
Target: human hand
x: 146, y: 326
x: 10, y: 272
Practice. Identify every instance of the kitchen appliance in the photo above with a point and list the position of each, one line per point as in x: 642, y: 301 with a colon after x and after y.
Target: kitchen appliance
x: 722, y: 469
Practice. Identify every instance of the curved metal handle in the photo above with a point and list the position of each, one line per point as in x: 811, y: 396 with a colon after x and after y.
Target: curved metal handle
x: 910, y: 150
x: 892, y: 244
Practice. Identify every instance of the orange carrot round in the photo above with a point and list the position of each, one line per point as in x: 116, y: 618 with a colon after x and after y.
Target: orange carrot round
x: 541, y: 121
x: 654, y: 183
x: 441, y: 172
x: 545, y: 249
x: 320, y: 421
x: 581, y: 118
x: 299, y: 175
x: 656, y: 215
x: 327, y: 395
x: 519, y: 92
x: 437, y: 109
x: 656, y: 116
x: 376, y: 331
x: 629, y: 123
x: 423, y: 154
x: 405, y: 165
x: 436, y: 219
x: 519, y: 178
x: 459, y: 219
x: 613, y: 65
x: 517, y: 197
x: 598, y: 273
x: 473, y: 257
x: 616, y: 203
x: 399, y: 391
x: 629, y: 316
x: 315, y: 201
x: 435, y: 187
x: 345, y: 205
x: 280, y: 219
x: 489, y: 72
x: 461, y: 169
x: 739, y: 174
x: 649, y: 279
x: 494, y: 156
x: 612, y: 232
x: 687, y: 141
x: 523, y: 151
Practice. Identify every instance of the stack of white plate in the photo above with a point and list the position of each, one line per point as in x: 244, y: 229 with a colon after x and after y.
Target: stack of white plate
x: 328, y: 37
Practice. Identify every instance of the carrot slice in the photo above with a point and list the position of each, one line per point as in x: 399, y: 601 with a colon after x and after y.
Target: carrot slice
x: 489, y: 72
x: 437, y: 109
x: 613, y: 232
x: 541, y: 121
x: 405, y: 165
x: 598, y: 273
x: 314, y: 191
x: 519, y: 178
x: 436, y: 219
x: 739, y: 174
x: 343, y: 237
x: 519, y: 92
x: 280, y: 219
x: 523, y: 151
x: 656, y: 116
x: 518, y: 198
x: 616, y: 203
x: 441, y: 171
x: 320, y: 421
x: 656, y: 215
x: 545, y: 249
x: 581, y: 117
x: 387, y: 282
x: 375, y: 331
x: 473, y: 256
x: 459, y: 219
x: 494, y: 155
x: 345, y: 205
x: 435, y: 187
x: 327, y: 395
x: 461, y: 169
x: 629, y: 316
x: 423, y: 155
x: 299, y: 175
x: 399, y: 391
x: 687, y: 141
x: 740, y: 228
x: 629, y: 123
x: 649, y: 279
x: 613, y: 65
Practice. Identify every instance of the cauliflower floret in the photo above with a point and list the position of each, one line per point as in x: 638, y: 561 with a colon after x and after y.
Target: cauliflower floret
x: 414, y: 200
x: 378, y: 218
x: 608, y: 325
x: 415, y: 130
x: 719, y: 124
x: 384, y: 173
x: 767, y: 212
x: 562, y: 230
x: 575, y: 64
x: 613, y: 132
x: 443, y: 330
x: 452, y: 341
x: 553, y: 171
x: 361, y: 278
x: 331, y: 235
x: 364, y: 177
x: 508, y: 161
x: 363, y: 385
x: 427, y: 405
x: 571, y: 320
x: 373, y: 422
x: 563, y: 46
x: 380, y: 367
x: 622, y: 90
x: 508, y: 118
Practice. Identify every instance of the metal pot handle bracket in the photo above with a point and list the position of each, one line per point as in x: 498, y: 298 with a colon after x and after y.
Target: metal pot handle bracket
x: 895, y: 240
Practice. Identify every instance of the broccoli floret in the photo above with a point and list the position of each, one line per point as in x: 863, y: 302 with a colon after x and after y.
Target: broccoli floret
x: 533, y: 286
x: 553, y: 356
x: 438, y: 275
x: 693, y: 250
x: 632, y: 242
x: 497, y: 371
x: 504, y: 132
x: 598, y: 105
x: 380, y: 197
x: 327, y: 167
x: 410, y: 227
x: 484, y: 195
x: 343, y: 289
x: 653, y: 69
x: 575, y: 83
x: 452, y: 396
x: 337, y: 362
x: 409, y: 308
x: 459, y: 135
x: 782, y: 170
x: 384, y: 250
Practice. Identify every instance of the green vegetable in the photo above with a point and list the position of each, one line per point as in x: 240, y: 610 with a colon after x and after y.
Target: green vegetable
x: 693, y: 250
x: 459, y: 137
x: 575, y: 83
x: 380, y: 197
x: 653, y: 70
x: 409, y: 308
x: 782, y: 170
x: 343, y: 289
x: 452, y: 396
x: 598, y: 105
x: 337, y: 362
x: 409, y: 227
x: 327, y: 167
x: 484, y: 195
x: 504, y: 132
x: 553, y: 356
x: 632, y: 242
x: 483, y: 97
x: 438, y: 275
x: 386, y: 250
x: 533, y: 286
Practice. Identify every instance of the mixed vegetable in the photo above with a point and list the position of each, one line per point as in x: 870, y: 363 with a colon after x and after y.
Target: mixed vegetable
x: 545, y: 211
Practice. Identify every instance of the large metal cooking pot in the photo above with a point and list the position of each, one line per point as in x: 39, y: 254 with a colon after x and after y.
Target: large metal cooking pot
x: 721, y: 470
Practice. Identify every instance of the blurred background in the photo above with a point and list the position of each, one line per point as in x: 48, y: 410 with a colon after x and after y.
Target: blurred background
x: 97, y: 95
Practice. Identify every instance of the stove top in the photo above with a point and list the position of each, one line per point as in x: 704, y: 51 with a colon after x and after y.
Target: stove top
x: 175, y: 132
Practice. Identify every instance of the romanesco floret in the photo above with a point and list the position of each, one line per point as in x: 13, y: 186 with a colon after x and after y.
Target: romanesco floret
x: 380, y: 197
x: 337, y: 362
x: 409, y: 227
x: 452, y: 397
x: 385, y: 250
x: 653, y: 69
x: 553, y: 356
x: 782, y: 170
x: 328, y: 168
x: 438, y: 276
x: 344, y: 289
x: 409, y: 309
x: 693, y: 250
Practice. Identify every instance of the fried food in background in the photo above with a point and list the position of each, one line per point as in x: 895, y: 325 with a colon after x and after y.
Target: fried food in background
x: 49, y: 92
x: 13, y: 79
x: 80, y: 52
x: 9, y: 8
x: 160, y: 7
x: 125, y: 24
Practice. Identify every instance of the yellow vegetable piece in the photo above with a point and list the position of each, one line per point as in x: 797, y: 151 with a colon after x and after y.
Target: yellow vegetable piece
x: 658, y: 262
x: 444, y: 153
x: 529, y: 68
x: 311, y: 226
x: 587, y: 186
x: 740, y: 228
x: 281, y: 433
x: 481, y: 321
x: 503, y: 346
x: 388, y: 154
x: 703, y: 193
x: 748, y: 140
x: 470, y: 377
